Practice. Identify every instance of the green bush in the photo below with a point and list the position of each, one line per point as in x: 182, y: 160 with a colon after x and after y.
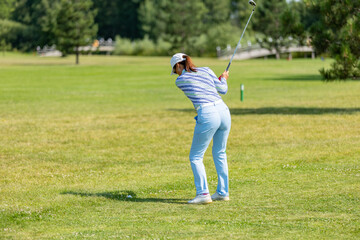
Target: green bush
x: 337, y: 32
x: 123, y: 46
x: 16, y: 34
x: 197, y: 46
x: 203, y: 45
x: 341, y: 69
x: 162, y: 47
x: 10, y: 30
x: 346, y: 65
x: 221, y: 36
x: 4, y: 46
x: 144, y: 47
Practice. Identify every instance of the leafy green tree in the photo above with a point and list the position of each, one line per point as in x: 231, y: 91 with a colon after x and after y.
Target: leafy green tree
x: 240, y: 11
x: 12, y: 33
x: 40, y: 18
x: 291, y: 25
x: 154, y: 17
x: 118, y: 17
x: 337, y: 31
x: 177, y: 22
x: 45, y: 14
x: 307, y: 17
x: 186, y: 24
x: 75, y: 25
x: 220, y: 36
x: 4, y: 32
x: 6, y: 8
x: 218, y: 12
x: 268, y: 22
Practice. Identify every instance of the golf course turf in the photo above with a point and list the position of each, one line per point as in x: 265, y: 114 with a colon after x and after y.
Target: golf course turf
x: 100, y: 151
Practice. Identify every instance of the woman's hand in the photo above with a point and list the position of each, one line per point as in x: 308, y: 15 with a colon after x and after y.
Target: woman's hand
x: 225, y: 75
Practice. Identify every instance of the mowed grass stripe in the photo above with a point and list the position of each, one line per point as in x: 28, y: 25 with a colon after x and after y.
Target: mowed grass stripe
x: 77, y: 141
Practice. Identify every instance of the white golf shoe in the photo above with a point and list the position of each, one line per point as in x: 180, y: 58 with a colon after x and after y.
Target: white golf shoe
x: 201, y: 199
x: 218, y: 197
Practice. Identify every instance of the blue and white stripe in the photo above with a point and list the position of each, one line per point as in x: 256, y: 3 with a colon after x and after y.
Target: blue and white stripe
x: 202, y: 86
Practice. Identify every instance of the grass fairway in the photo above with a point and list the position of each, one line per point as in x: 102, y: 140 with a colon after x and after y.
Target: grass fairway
x: 76, y: 141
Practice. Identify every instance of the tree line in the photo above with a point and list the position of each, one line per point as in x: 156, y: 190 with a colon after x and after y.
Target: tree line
x: 161, y: 27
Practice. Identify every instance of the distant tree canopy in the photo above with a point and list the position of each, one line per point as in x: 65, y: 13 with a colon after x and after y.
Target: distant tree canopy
x: 336, y: 30
x: 118, y: 17
x: 66, y: 23
x: 184, y: 24
x: 74, y: 25
x: 280, y: 24
x: 146, y: 27
x: 6, y: 8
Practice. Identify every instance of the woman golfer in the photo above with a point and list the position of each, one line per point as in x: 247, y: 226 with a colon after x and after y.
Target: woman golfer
x: 213, y: 121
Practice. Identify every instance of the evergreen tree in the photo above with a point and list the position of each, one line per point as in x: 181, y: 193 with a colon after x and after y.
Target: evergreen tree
x: 75, y: 25
x: 39, y: 17
x: 291, y: 25
x: 337, y: 31
x: 239, y: 14
x: 6, y: 8
x: 218, y: 12
x: 25, y: 12
x: 179, y: 22
x: 118, y: 17
x: 268, y: 22
x: 44, y: 20
x: 185, y: 24
x: 154, y: 18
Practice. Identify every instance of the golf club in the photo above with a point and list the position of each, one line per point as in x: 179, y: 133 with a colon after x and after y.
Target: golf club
x: 252, y: 3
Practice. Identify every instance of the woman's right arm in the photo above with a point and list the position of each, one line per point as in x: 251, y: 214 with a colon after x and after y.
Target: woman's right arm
x: 225, y: 75
x: 221, y: 82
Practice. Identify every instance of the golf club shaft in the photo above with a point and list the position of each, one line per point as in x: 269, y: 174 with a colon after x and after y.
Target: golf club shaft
x: 227, y: 69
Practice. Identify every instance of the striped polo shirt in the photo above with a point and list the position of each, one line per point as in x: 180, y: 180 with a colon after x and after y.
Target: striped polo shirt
x: 202, y: 86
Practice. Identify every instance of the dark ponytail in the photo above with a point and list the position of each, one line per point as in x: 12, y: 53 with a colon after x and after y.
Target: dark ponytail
x: 188, y: 64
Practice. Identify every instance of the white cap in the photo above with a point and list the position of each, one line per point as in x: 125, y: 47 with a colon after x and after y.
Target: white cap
x: 178, y: 57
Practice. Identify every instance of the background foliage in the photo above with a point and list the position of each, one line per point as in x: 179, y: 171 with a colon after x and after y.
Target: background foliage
x: 337, y: 31
x: 199, y: 27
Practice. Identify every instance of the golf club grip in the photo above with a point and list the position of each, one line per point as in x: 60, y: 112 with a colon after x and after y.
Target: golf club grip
x: 227, y: 69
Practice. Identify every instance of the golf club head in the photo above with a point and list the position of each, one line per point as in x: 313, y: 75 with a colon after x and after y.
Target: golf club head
x: 252, y: 3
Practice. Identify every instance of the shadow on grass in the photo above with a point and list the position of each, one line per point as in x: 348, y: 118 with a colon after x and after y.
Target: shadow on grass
x: 126, y: 196
x: 311, y: 77
x: 293, y: 111
x: 283, y: 111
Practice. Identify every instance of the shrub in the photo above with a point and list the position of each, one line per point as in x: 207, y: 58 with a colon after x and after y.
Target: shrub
x: 222, y: 35
x: 144, y: 47
x: 197, y: 46
x: 162, y: 47
x: 337, y: 31
x: 341, y: 69
x: 12, y: 32
x: 123, y: 46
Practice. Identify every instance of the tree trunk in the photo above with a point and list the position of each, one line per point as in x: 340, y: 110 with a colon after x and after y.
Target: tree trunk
x: 277, y: 55
x: 2, y: 44
x: 77, y: 55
